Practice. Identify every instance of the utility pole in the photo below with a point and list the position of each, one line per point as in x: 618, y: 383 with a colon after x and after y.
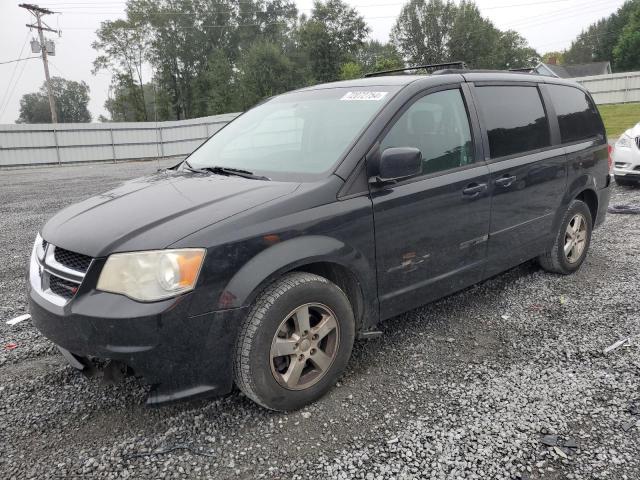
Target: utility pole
x: 39, y: 12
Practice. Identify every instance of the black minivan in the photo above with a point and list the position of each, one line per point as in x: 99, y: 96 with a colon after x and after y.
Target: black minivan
x: 312, y: 217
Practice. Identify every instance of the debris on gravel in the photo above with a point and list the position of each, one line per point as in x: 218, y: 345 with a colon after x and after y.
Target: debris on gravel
x: 477, y: 385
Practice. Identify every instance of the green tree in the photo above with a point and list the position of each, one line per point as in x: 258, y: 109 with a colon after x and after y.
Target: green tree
x: 330, y: 37
x: 350, y: 70
x: 375, y: 56
x: 556, y: 56
x: 599, y: 40
x: 264, y: 71
x: 474, y: 39
x: 122, y: 103
x: 627, y: 51
x: 436, y: 31
x: 123, y: 48
x: 423, y: 29
x: 71, y: 98
x: 514, y: 52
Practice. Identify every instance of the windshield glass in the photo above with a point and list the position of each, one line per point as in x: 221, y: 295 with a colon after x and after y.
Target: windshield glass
x: 300, y: 133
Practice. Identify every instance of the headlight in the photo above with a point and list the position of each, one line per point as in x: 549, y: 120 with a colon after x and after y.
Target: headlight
x: 38, y: 246
x: 154, y: 275
x: 625, y: 141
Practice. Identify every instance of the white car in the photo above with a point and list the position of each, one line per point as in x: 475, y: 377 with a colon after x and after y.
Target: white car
x: 626, y: 157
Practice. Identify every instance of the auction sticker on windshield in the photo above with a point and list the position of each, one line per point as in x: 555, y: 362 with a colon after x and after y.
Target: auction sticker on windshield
x: 375, y: 96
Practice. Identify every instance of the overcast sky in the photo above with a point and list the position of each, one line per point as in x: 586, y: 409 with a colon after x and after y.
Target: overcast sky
x: 546, y: 24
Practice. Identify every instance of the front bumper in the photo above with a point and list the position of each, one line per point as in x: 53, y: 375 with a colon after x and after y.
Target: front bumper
x: 626, y: 161
x: 180, y: 355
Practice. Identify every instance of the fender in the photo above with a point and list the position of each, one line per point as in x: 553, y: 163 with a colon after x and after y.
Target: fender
x: 578, y: 185
x: 282, y: 257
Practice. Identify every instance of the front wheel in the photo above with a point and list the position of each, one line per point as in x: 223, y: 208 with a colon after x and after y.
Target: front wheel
x: 295, y: 342
x: 572, y: 241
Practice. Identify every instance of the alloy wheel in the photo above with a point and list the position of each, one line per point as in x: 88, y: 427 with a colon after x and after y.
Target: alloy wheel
x: 575, y: 238
x: 304, y: 346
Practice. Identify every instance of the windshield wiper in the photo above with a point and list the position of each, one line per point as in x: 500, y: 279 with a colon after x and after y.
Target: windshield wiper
x: 234, y: 171
x: 224, y: 171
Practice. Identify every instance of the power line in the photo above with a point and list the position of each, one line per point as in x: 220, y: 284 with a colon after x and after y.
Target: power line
x: 18, y: 60
x: 10, y: 95
x: 13, y: 73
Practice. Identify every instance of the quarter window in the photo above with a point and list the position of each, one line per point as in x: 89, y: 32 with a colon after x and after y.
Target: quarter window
x: 514, y: 118
x: 438, y: 126
x: 577, y: 116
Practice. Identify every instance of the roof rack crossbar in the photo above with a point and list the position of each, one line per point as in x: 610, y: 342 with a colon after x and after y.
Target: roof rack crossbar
x: 433, y: 66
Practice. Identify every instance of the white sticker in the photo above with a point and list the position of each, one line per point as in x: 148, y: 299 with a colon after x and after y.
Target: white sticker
x: 366, y: 96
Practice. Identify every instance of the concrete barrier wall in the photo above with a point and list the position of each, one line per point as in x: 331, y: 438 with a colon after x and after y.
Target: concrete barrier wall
x: 65, y: 143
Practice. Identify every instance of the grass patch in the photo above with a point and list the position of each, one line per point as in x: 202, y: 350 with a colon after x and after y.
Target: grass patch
x: 619, y: 117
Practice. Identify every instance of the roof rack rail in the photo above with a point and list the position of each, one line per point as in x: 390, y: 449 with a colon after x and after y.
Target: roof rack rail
x: 433, y: 66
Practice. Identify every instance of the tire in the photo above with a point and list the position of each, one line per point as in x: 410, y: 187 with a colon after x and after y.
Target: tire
x: 272, y: 349
x: 626, y: 182
x: 556, y: 260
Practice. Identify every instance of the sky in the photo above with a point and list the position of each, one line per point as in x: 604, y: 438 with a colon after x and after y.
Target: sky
x: 548, y: 25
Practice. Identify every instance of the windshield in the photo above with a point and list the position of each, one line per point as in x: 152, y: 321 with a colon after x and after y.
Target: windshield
x: 299, y: 133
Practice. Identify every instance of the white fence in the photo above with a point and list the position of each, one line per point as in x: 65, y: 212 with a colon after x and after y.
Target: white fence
x: 614, y: 88
x: 66, y: 143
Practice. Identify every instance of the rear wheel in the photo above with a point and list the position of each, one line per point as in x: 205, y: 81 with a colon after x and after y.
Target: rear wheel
x: 295, y: 342
x: 572, y: 241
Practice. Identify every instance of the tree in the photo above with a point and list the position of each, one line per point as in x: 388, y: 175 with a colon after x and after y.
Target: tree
x: 375, y: 56
x: 599, y: 40
x: 627, y: 51
x: 554, y: 57
x: 436, y: 31
x: 423, y: 29
x: 122, y: 103
x: 264, y: 71
x: 350, y: 70
x: 123, y: 45
x: 71, y: 98
x: 331, y: 36
x: 514, y: 52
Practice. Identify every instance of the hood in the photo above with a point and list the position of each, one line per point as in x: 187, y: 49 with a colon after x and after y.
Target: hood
x: 154, y: 212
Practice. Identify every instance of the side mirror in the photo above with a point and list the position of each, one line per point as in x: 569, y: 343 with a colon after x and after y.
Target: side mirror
x: 398, y: 163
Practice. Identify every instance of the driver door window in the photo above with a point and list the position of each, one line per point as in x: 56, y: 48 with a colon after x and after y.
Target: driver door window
x: 438, y: 126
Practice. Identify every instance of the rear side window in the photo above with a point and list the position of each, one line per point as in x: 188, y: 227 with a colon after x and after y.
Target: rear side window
x: 514, y: 118
x: 577, y: 116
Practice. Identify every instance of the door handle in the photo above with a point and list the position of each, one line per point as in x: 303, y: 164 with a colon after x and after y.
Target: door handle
x: 474, y: 189
x: 505, y: 181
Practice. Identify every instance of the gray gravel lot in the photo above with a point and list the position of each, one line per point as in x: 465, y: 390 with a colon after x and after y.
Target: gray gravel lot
x: 468, y: 387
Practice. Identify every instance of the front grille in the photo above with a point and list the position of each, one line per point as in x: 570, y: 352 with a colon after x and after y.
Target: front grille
x: 638, y: 141
x: 62, y: 287
x: 72, y: 260
x: 621, y: 164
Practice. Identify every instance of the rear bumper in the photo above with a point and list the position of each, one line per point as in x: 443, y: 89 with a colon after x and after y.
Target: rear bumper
x: 181, y: 356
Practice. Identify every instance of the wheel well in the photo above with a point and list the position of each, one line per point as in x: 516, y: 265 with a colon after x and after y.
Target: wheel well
x: 591, y: 199
x: 343, y: 278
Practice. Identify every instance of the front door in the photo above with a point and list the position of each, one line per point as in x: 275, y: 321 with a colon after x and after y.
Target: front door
x: 431, y: 231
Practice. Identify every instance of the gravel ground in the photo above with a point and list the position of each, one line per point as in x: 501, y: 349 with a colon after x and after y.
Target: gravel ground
x: 507, y: 379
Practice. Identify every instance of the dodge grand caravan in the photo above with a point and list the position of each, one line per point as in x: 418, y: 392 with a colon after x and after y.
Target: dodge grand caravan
x: 312, y: 217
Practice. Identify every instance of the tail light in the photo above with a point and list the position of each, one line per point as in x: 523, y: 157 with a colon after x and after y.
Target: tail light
x: 610, y: 158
